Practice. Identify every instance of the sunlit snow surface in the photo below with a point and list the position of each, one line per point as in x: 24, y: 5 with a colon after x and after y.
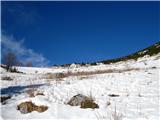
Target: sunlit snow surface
x: 138, y: 91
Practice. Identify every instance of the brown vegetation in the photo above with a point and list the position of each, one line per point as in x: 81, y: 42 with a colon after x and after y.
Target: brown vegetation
x: 33, y: 92
x: 27, y: 107
x: 86, y: 73
x: 89, y: 103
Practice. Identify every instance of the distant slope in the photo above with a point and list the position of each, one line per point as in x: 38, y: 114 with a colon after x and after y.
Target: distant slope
x: 152, y: 50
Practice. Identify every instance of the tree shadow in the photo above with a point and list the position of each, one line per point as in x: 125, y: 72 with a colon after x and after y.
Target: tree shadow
x: 18, y: 89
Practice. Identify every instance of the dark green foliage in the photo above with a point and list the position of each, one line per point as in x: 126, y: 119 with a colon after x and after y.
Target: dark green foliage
x: 94, y: 63
x: 83, y: 64
x: 66, y: 65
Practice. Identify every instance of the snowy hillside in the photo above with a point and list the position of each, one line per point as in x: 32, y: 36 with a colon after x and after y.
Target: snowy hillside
x: 130, y: 87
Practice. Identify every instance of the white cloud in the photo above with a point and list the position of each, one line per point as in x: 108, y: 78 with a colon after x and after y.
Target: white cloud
x: 25, y: 54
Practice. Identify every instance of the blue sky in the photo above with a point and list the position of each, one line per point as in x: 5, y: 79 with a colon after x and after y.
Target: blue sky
x: 66, y: 32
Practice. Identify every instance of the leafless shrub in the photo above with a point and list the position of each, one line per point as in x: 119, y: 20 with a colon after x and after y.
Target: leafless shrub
x: 9, y: 60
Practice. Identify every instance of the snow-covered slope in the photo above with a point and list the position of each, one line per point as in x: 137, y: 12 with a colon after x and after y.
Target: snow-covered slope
x: 136, y: 82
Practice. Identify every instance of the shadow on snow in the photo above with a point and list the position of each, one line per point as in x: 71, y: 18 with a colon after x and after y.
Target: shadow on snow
x: 18, y: 89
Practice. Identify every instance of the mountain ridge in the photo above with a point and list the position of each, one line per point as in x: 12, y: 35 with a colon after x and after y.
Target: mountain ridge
x: 151, y: 50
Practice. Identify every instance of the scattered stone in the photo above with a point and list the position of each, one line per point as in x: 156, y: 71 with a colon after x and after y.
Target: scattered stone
x: 6, y: 78
x: 27, y: 107
x: 4, y: 98
x: 154, y: 67
x: 113, y: 95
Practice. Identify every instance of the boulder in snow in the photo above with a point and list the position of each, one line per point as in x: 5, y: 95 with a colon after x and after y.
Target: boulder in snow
x: 83, y: 101
x: 27, y: 107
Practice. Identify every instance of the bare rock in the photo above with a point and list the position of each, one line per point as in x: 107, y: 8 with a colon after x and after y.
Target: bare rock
x: 83, y: 101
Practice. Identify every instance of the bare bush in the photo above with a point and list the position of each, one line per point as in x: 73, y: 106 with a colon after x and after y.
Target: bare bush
x: 9, y: 60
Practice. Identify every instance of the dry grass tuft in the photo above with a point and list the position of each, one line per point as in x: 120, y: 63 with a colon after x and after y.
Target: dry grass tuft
x: 33, y: 92
x: 116, y: 115
x: 50, y: 76
x: 27, y: 107
x: 89, y: 103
